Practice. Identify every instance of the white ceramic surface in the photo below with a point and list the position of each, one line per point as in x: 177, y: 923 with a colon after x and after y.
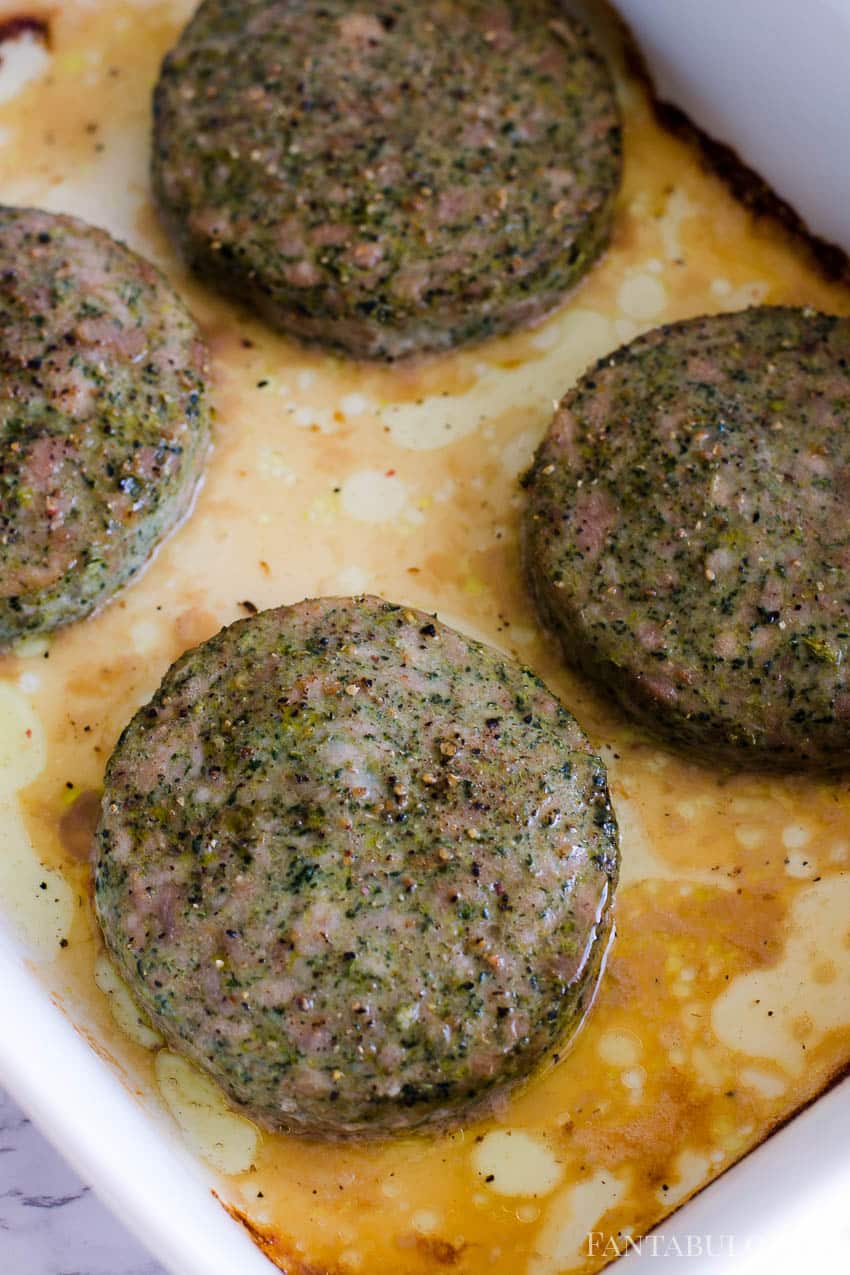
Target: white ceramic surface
x: 769, y: 78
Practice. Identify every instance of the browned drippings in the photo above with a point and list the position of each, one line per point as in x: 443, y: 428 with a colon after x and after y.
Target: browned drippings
x: 14, y: 27
x: 78, y: 824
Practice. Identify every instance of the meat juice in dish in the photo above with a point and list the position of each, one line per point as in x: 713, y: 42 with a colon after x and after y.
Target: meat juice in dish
x: 723, y: 1005
x: 388, y: 178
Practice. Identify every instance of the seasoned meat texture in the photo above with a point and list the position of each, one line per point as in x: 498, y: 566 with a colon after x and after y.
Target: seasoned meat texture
x: 688, y: 533
x: 356, y: 866
x: 103, y: 419
x: 393, y: 177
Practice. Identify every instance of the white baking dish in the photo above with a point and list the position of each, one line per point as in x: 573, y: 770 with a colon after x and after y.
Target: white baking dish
x: 768, y: 78
x: 763, y: 77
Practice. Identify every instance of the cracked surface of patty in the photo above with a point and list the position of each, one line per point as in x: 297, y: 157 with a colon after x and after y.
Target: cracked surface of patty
x: 393, y: 178
x: 103, y: 417
x: 357, y: 866
x: 687, y: 533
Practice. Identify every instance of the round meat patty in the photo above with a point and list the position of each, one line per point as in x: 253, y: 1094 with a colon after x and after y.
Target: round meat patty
x: 356, y: 866
x: 392, y: 177
x: 103, y: 420
x: 688, y: 533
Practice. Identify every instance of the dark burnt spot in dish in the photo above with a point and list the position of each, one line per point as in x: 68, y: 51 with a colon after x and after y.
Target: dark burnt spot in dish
x: 22, y: 24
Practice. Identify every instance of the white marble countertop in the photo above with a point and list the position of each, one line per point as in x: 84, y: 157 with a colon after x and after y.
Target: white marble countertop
x: 50, y: 1222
